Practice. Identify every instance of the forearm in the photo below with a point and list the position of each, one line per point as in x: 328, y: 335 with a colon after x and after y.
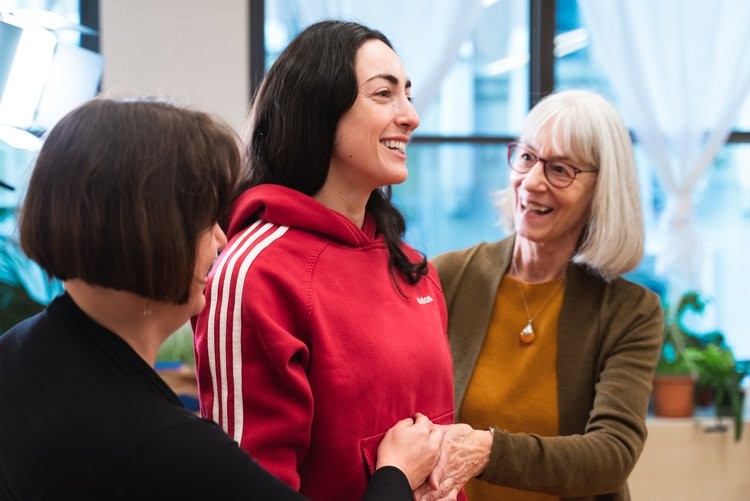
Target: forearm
x: 576, y: 465
x: 599, y: 456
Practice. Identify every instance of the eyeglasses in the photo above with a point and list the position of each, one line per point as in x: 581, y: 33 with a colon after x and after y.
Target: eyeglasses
x: 559, y: 174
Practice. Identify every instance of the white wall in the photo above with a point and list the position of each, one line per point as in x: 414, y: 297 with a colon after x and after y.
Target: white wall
x: 193, y: 51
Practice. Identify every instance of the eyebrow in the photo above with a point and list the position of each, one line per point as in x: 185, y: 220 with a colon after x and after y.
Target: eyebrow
x: 387, y: 76
x: 536, y: 152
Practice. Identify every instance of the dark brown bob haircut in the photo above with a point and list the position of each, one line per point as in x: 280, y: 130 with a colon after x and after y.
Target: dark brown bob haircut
x: 121, y: 192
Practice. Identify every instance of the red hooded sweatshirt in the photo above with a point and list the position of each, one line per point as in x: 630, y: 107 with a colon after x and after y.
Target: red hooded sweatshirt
x: 307, y: 352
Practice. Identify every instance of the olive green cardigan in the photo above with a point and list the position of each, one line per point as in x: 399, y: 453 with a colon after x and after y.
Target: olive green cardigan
x: 609, y: 338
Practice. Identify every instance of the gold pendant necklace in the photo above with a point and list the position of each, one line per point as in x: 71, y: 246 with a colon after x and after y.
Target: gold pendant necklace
x: 527, y: 333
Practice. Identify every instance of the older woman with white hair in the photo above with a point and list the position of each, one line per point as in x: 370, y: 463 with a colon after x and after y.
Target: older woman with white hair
x: 554, y: 351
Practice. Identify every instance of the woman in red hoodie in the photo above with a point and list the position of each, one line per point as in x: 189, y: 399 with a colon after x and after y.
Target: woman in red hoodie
x: 122, y: 207
x: 316, y: 299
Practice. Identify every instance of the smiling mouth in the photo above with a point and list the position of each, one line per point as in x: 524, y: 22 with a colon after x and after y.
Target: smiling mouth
x: 399, y: 146
x: 536, y: 208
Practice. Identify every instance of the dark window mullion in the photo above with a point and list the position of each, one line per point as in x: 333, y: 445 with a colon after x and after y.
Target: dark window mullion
x: 739, y: 137
x: 256, y: 23
x: 542, y: 15
x: 89, y: 17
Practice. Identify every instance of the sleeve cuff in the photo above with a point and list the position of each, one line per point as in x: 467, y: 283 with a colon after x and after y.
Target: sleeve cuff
x: 388, y: 483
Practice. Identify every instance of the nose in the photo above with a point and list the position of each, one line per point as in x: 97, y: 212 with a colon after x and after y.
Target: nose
x: 219, y: 236
x: 408, y: 116
x: 535, y: 178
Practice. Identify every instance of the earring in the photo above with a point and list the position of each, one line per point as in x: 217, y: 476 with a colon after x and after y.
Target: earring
x: 147, y: 310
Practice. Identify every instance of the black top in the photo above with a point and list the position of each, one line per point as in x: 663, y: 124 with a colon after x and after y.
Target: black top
x: 83, y: 416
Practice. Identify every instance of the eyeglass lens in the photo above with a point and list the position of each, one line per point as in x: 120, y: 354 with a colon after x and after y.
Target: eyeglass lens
x: 557, y: 173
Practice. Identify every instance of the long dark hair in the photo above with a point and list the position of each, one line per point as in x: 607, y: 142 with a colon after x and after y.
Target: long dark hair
x: 292, y: 127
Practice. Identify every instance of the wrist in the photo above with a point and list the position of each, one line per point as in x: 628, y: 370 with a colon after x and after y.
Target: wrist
x: 488, y: 437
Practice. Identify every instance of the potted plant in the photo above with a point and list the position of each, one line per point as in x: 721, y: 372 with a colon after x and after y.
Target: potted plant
x: 718, y: 372
x: 692, y: 363
x: 674, y: 382
x: 676, y: 373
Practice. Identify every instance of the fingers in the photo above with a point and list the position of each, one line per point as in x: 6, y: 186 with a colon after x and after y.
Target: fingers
x: 434, y: 479
x: 420, y: 491
x: 432, y: 496
x: 403, y: 423
x: 451, y: 496
x: 437, y: 434
x: 421, y: 419
x: 424, y: 423
x: 434, y: 443
x: 436, y: 475
x: 436, y: 495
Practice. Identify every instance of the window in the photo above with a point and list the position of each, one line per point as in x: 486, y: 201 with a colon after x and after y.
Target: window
x: 517, y: 51
x: 24, y: 287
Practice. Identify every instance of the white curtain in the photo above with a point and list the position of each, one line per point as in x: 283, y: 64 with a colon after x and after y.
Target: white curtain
x: 427, y: 34
x: 680, y: 70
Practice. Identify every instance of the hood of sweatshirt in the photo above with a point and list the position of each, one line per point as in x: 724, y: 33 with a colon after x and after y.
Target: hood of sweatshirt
x: 288, y: 207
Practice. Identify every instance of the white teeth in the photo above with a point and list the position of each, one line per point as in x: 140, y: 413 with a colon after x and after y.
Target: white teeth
x: 395, y: 145
x: 537, y: 208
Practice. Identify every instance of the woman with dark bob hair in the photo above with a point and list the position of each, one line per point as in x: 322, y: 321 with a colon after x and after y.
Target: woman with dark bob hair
x: 316, y: 297
x: 122, y: 206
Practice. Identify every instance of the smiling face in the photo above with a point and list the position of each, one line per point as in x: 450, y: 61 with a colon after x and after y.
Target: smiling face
x: 544, y: 214
x: 370, y: 145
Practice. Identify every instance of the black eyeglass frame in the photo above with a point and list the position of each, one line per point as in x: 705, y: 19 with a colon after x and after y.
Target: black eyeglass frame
x: 516, y: 145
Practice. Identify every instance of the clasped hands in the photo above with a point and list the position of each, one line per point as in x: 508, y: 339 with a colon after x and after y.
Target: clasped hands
x: 463, y: 455
x: 436, y: 459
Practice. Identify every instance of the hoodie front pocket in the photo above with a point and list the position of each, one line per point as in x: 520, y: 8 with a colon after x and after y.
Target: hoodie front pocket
x: 369, y: 445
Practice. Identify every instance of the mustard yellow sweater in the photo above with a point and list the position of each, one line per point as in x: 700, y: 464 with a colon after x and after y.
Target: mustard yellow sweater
x: 608, y: 340
x: 514, y: 384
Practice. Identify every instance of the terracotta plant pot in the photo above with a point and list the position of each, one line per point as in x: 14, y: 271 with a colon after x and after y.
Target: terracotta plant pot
x: 673, y: 395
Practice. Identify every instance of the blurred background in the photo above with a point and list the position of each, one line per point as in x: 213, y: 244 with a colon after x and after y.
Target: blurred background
x: 678, y: 70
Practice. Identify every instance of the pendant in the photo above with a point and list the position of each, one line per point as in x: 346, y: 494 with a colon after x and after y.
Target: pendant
x: 527, y: 334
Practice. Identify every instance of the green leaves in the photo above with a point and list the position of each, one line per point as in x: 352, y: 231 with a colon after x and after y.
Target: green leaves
x: 706, y: 358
